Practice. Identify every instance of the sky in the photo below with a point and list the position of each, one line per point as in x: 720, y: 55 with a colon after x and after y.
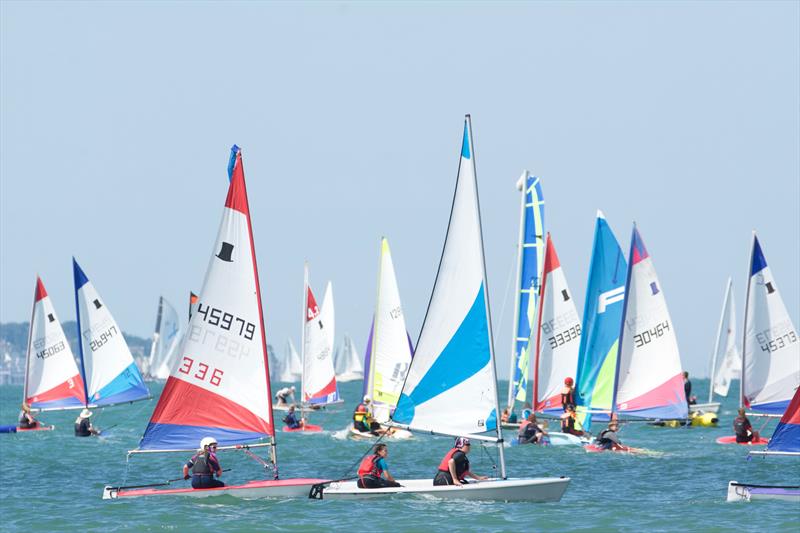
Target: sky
x: 116, y: 120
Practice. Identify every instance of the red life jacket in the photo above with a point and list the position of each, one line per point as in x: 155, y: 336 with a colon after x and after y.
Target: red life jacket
x: 444, y: 466
x: 369, y: 466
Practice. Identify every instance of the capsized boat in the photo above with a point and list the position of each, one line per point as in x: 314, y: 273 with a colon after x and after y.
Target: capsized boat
x: 451, y: 385
x: 232, y: 385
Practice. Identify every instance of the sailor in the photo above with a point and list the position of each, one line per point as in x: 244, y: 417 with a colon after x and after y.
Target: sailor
x: 373, y: 468
x: 26, y: 419
x: 455, y: 465
x: 530, y: 432
x: 569, y: 420
x: 291, y: 420
x: 362, y: 417
x: 204, y: 466
x: 568, y: 394
x: 687, y: 390
x: 281, y: 397
x: 743, y: 428
x: 608, y: 438
x: 83, y: 426
x: 526, y: 410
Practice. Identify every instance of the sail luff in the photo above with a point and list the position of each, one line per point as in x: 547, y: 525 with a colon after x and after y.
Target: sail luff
x: 75, y: 270
x: 522, y: 185
x: 742, y: 377
x: 30, y: 340
x: 713, y: 373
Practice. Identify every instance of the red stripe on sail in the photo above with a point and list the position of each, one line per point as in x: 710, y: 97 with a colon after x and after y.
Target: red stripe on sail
x: 330, y: 388
x: 553, y: 402
x: 61, y: 391
x: 551, y: 261
x: 40, y: 292
x: 668, y: 393
x: 312, y: 309
x: 184, y: 404
x: 237, y: 195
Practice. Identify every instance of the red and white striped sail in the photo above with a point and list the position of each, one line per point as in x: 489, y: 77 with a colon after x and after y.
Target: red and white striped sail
x: 559, y: 334
x: 319, y: 378
x: 219, y: 386
x: 52, y: 379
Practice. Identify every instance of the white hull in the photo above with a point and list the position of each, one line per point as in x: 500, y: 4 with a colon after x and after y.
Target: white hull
x: 741, y: 492
x: 284, y: 488
x: 398, y: 434
x: 349, y: 376
x: 712, y: 407
x: 531, y: 490
x: 567, y: 439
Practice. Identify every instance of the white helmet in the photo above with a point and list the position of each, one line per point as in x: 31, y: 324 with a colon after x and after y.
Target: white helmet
x: 367, y: 399
x: 207, y: 441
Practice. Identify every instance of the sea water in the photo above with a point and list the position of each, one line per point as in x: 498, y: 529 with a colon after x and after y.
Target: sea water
x: 53, y: 481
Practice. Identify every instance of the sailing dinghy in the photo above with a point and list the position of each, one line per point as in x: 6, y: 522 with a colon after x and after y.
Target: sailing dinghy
x: 451, y: 386
x: 166, y: 341
x: 232, y: 384
x: 347, y: 363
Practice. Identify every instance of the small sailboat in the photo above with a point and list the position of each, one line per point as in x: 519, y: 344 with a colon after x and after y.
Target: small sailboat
x: 530, y: 258
x: 451, y: 386
x: 110, y: 375
x: 726, y: 360
x: 166, y: 341
x: 347, y: 362
x: 389, y: 350
x: 602, y: 317
x: 232, y: 384
x: 785, y: 441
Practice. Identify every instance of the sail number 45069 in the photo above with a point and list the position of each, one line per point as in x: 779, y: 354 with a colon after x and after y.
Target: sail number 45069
x: 202, y: 371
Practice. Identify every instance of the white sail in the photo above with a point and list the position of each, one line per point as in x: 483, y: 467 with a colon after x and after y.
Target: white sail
x: 328, y: 318
x: 771, y: 348
x: 557, y: 335
x: 347, y: 362
x: 727, y: 359
x: 319, y: 380
x: 166, y: 340
x: 650, y: 377
x: 451, y: 387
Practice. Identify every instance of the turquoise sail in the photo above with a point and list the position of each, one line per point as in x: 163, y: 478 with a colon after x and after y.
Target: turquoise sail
x: 531, y: 259
x: 602, y: 318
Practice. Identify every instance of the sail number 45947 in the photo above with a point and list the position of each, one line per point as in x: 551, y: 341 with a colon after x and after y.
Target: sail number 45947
x: 215, y: 377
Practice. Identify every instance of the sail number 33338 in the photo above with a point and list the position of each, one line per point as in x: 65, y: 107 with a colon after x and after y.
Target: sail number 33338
x: 226, y: 321
x: 201, y: 371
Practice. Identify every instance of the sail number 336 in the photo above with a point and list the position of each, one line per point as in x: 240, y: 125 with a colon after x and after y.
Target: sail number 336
x: 188, y: 366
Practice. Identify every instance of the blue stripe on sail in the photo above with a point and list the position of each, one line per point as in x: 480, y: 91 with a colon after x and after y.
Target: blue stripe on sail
x: 80, y: 280
x: 491, y: 420
x: 463, y: 357
x: 62, y: 403
x: 776, y: 408
x: 786, y: 438
x: 759, y: 263
x: 80, y: 276
x: 175, y: 437
x: 323, y: 400
x: 232, y: 161
x: 126, y: 387
x: 465, y: 149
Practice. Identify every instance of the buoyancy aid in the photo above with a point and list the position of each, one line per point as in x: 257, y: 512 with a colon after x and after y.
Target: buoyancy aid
x: 444, y: 466
x: 361, y: 413
x: 741, y: 426
x: 567, y: 398
x: 202, y: 465
x: 369, y: 466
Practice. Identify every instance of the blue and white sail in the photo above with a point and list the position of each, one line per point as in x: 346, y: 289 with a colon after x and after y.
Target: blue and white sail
x: 110, y: 374
x: 450, y: 387
x: 166, y: 341
x: 602, y: 318
x: 530, y: 258
x: 771, y: 348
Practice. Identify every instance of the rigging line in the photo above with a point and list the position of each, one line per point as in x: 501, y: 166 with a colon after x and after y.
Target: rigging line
x: 505, y: 295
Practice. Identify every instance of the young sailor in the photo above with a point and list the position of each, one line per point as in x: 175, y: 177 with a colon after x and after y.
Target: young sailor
x: 569, y: 421
x: 291, y: 420
x: 26, y: 419
x: 743, y: 428
x: 608, y: 438
x: 530, y: 432
x: 282, y: 396
x: 204, y: 466
x: 455, y: 465
x: 568, y: 394
x: 83, y: 426
x: 373, y: 468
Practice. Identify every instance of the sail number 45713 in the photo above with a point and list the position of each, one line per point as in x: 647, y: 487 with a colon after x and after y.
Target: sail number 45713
x: 228, y: 322
x: 188, y: 366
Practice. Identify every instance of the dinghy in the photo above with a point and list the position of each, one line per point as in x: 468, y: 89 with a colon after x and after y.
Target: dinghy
x: 745, y: 492
x: 231, y: 384
x: 347, y: 362
x: 451, y: 385
x: 166, y: 341
x: 530, y: 257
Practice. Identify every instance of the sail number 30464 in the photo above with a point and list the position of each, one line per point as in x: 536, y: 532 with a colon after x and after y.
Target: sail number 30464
x: 215, y: 377
x: 646, y: 337
x: 226, y: 321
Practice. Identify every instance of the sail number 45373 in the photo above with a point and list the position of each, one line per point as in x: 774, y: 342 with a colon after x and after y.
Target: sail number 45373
x: 188, y: 366
x: 228, y: 322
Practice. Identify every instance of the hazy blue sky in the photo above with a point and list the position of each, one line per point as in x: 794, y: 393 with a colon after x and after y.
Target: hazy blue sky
x: 117, y: 119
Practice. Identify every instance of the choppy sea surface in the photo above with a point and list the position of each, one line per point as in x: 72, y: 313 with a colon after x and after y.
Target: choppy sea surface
x: 53, y: 481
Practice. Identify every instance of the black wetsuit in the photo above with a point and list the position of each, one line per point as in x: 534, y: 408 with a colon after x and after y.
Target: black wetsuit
x: 24, y: 421
x: 203, y: 469
x: 83, y: 428
x: 462, y: 466
x: 743, y: 429
x: 607, y: 439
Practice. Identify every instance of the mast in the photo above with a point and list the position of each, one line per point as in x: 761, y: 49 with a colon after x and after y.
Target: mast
x: 521, y: 185
x: 371, y: 369
x: 75, y: 269
x: 498, y: 425
x: 538, y: 325
x: 30, y: 339
x: 716, y: 344
x: 622, y: 322
x: 744, y: 328
x: 156, y: 335
x: 303, y: 340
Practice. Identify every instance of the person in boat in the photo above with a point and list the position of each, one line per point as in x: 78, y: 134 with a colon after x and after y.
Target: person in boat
x: 743, y: 428
x: 526, y: 410
x: 454, y: 467
x: 291, y: 420
x: 687, y: 389
x: 608, y: 439
x: 204, y: 466
x: 508, y: 416
x: 373, y: 473
x: 26, y: 419
x: 568, y: 394
x: 530, y: 432
x: 569, y: 422
x: 363, y: 420
x: 83, y: 426
x: 283, y: 395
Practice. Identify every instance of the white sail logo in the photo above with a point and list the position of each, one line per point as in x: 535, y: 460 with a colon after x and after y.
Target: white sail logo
x: 609, y: 297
